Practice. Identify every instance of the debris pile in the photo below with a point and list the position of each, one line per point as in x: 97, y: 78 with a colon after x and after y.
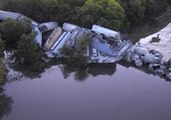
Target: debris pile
x: 105, y: 46
x: 140, y: 55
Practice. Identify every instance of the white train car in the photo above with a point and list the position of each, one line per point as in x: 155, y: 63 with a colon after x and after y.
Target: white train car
x: 107, y: 32
x: 59, y: 43
x: 69, y: 27
x: 53, y: 38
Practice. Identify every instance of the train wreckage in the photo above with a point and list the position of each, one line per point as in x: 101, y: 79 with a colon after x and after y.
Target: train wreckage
x: 106, y: 46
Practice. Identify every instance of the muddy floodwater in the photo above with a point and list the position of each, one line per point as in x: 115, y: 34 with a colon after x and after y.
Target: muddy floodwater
x: 106, y: 92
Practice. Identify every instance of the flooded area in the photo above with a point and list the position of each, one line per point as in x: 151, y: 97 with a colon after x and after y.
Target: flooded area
x: 104, y: 92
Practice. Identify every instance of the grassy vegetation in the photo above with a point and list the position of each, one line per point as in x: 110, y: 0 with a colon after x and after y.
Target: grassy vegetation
x: 144, y: 30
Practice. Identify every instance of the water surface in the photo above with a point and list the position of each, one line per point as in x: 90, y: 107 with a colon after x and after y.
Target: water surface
x: 109, y: 92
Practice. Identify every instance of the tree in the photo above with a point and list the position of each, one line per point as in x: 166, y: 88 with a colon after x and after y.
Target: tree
x: 155, y: 8
x: 76, y: 56
x: 135, y: 10
x: 107, y: 13
x: 40, y: 10
x: 2, y: 71
x: 169, y: 1
x: 5, y: 103
x: 28, y: 52
x: 12, y: 30
x: 2, y: 46
x: 2, y: 67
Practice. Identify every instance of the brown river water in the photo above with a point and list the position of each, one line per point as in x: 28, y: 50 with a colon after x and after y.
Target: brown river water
x: 102, y: 92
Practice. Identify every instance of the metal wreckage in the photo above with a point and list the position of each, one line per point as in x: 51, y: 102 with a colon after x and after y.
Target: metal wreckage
x: 105, y: 46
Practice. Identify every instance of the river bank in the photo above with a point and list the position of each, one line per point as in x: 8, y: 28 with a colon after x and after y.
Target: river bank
x: 138, y: 32
x: 162, y: 44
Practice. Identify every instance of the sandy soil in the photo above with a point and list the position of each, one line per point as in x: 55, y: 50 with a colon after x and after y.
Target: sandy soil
x: 164, y: 45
